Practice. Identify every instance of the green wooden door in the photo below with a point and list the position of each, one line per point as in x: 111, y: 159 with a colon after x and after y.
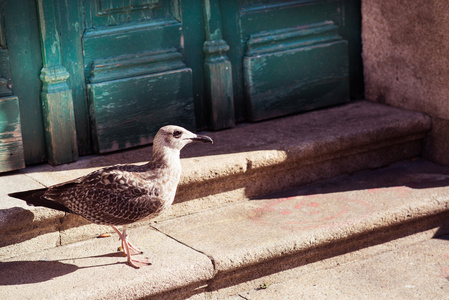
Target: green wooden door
x: 103, y: 75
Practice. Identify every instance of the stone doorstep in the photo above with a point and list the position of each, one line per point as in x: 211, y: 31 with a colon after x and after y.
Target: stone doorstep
x: 244, y: 162
x: 219, y: 250
x: 414, y: 270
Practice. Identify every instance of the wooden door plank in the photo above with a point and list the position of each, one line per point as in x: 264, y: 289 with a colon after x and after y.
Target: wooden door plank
x: 128, y: 112
x: 25, y: 55
x: 11, y: 147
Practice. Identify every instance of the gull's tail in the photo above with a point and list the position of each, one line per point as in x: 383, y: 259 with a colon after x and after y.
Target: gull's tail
x: 35, y: 198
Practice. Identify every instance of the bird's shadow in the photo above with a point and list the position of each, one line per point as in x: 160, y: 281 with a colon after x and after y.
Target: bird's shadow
x: 35, y: 271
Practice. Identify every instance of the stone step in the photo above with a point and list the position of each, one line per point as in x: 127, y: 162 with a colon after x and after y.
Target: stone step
x: 223, y: 251
x: 405, y: 269
x: 244, y: 162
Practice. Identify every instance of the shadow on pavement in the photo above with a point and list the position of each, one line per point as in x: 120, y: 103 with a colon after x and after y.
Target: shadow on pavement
x: 26, y: 272
x: 29, y: 271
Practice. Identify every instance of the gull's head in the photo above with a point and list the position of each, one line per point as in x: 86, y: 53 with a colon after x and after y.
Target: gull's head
x: 176, y: 137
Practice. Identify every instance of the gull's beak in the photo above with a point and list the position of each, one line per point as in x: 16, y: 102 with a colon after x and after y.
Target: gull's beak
x: 202, y: 138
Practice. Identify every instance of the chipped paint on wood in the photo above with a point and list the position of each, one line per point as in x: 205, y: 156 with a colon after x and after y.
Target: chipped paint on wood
x: 217, y: 70
x: 131, y: 65
x: 104, y: 41
x: 56, y: 96
x: 11, y: 148
x: 136, y: 78
x: 128, y: 112
x: 129, y: 44
x: 25, y: 59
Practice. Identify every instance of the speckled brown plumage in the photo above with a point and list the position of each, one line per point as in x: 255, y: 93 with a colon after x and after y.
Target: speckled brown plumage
x: 119, y: 195
x: 123, y: 194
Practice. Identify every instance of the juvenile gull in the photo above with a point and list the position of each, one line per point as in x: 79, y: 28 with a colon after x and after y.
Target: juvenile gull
x: 123, y: 194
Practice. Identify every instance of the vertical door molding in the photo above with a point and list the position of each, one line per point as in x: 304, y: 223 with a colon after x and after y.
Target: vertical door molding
x: 56, y: 96
x: 217, y: 69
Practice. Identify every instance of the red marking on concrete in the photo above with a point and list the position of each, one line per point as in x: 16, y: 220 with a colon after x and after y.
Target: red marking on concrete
x: 444, y: 272
x: 321, y: 210
x: 272, y: 204
x: 306, y: 203
x: 339, y: 214
x: 325, y: 210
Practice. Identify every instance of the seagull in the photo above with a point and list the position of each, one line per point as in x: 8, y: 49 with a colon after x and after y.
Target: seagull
x: 123, y: 194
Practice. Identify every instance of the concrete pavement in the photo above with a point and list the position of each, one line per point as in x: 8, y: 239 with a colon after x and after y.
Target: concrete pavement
x: 417, y: 271
x: 230, y: 250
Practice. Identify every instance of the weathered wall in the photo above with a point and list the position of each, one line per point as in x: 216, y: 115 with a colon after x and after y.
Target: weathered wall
x: 406, y: 61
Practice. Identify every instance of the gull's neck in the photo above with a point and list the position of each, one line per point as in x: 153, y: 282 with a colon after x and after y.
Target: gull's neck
x: 166, y: 157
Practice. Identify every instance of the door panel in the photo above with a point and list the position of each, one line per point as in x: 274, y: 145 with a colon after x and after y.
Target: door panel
x: 130, y: 40
x: 267, y: 15
x: 292, y: 56
x: 295, y: 69
x: 136, y: 77
x: 111, y: 6
x: 127, y: 110
x: 115, y: 12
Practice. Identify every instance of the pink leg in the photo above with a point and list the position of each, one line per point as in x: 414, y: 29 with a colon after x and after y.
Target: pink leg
x: 130, y: 249
x: 124, y: 239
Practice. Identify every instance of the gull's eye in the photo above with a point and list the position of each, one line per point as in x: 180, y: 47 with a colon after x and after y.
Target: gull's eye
x: 177, y: 134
